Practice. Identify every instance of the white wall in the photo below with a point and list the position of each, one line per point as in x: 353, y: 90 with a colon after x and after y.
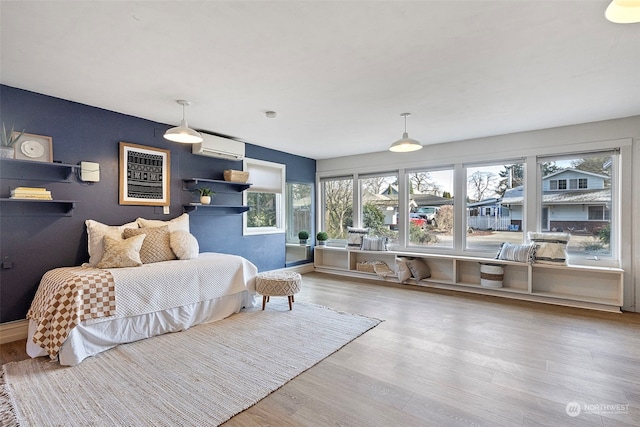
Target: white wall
x: 569, y: 139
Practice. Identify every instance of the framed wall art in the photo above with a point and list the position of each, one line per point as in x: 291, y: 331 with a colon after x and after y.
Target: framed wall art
x: 38, y: 148
x: 144, y: 175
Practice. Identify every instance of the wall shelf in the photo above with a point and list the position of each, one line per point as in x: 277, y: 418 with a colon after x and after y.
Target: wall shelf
x: 31, y: 207
x: 599, y: 288
x: 36, y: 171
x: 220, y: 209
x: 218, y: 185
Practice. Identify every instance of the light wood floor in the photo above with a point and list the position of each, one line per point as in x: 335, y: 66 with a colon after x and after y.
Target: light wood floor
x: 445, y: 358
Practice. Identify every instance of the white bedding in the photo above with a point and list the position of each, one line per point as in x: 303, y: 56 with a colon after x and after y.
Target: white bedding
x: 157, y: 298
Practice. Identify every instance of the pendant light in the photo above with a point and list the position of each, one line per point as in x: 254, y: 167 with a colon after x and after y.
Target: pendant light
x: 623, y: 11
x: 405, y: 144
x: 183, y: 133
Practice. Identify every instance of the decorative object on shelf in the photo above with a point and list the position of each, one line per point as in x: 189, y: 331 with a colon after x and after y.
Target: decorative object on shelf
x: 8, y: 141
x: 322, y: 238
x: 31, y: 193
x: 550, y: 248
x: 623, y: 11
x: 205, y: 195
x: 303, y: 235
x: 405, y: 144
x: 419, y: 268
x: 491, y: 275
x: 236, y: 176
x: 374, y: 243
x: 144, y: 175
x: 183, y: 133
x: 28, y: 146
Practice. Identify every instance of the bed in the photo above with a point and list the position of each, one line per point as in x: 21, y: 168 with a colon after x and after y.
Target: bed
x: 81, y: 311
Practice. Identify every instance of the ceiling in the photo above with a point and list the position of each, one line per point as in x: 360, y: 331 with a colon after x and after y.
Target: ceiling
x: 338, y: 73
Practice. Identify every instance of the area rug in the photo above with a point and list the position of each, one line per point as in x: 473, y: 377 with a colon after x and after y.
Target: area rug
x: 199, y: 377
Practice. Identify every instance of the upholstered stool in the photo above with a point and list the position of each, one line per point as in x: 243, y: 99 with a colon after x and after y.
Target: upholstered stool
x: 278, y: 283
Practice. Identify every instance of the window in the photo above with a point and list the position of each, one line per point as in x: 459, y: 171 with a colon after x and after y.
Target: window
x: 430, y: 208
x: 599, y: 213
x: 264, y: 197
x: 337, y: 206
x: 577, y: 183
x: 298, y: 210
x: 588, y: 215
x: 495, y: 206
x: 379, y: 200
x: 298, y: 217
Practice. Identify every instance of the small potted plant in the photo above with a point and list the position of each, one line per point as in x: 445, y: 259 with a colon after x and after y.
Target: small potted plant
x: 303, y: 235
x: 205, y: 195
x: 322, y: 238
x: 7, y: 140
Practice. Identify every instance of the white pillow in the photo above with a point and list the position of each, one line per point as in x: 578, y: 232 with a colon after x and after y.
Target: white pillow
x: 404, y: 273
x: 96, y: 232
x: 175, y: 224
x: 184, y: 244
x: 354, y: 237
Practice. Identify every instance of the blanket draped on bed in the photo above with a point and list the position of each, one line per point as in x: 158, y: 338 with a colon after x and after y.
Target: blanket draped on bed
x: 66, y: 297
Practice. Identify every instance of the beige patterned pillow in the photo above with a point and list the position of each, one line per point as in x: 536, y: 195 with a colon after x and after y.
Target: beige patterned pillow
x: 121, y: 253
x: 184, y: 244
x: 156, y: 246
x: 96, y: 232
x: 179, y: 223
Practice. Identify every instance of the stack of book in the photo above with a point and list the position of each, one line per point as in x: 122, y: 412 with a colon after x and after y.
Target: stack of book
x: 31, y: 193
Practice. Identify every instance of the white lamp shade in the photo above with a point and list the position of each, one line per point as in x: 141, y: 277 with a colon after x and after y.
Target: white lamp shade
x: 623, y: 11
x: 183, y: 134
x: 405, y: 145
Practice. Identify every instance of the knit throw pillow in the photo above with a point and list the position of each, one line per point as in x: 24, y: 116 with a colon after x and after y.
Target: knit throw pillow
x: 121, y: 253
x: 156, y: 246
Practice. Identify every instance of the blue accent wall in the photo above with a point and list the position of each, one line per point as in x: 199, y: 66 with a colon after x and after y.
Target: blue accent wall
x: 33, y: 244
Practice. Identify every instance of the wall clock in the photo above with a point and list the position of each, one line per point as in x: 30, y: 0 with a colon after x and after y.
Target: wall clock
x: 34, y: 147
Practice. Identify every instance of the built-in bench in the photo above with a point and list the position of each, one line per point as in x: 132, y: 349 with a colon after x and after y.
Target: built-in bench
x: 598, y: 288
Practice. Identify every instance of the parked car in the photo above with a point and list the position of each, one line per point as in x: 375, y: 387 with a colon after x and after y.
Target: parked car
x: 428, y: 212
x: 416, y: 219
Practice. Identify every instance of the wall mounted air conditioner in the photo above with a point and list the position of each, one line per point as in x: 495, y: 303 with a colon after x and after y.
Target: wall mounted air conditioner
x: 216, y: 146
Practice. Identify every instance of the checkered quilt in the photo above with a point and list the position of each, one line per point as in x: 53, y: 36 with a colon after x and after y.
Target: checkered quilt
x: 66, y: 297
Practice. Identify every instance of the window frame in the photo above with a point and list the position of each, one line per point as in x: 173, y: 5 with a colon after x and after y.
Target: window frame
x: 615, y: 208
x: 279, y: 171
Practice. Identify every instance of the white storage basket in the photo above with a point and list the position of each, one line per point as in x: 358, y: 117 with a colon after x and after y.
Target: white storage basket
x: 491, y: 275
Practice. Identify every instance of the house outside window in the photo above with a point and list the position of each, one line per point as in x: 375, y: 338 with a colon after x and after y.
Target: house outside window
x: 495, y: 205
x: 586, y: 209
x: 379, y: 204
x: 431, y: 214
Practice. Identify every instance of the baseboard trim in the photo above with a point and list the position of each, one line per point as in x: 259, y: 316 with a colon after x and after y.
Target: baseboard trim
x: 13, y: 331
x: 302, y: 268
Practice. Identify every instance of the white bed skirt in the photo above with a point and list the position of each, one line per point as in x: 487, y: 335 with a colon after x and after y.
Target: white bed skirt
x: 90, y: 338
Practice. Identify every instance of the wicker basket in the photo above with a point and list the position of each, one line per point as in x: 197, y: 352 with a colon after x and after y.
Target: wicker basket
x: 236, y: 176
x: 365, y: 266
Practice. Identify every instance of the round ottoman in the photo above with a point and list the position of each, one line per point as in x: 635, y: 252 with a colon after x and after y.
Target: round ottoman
x: 278, y: 283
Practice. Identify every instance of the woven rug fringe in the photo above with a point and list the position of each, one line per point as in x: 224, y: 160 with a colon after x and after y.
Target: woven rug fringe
x: 8, y: 416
